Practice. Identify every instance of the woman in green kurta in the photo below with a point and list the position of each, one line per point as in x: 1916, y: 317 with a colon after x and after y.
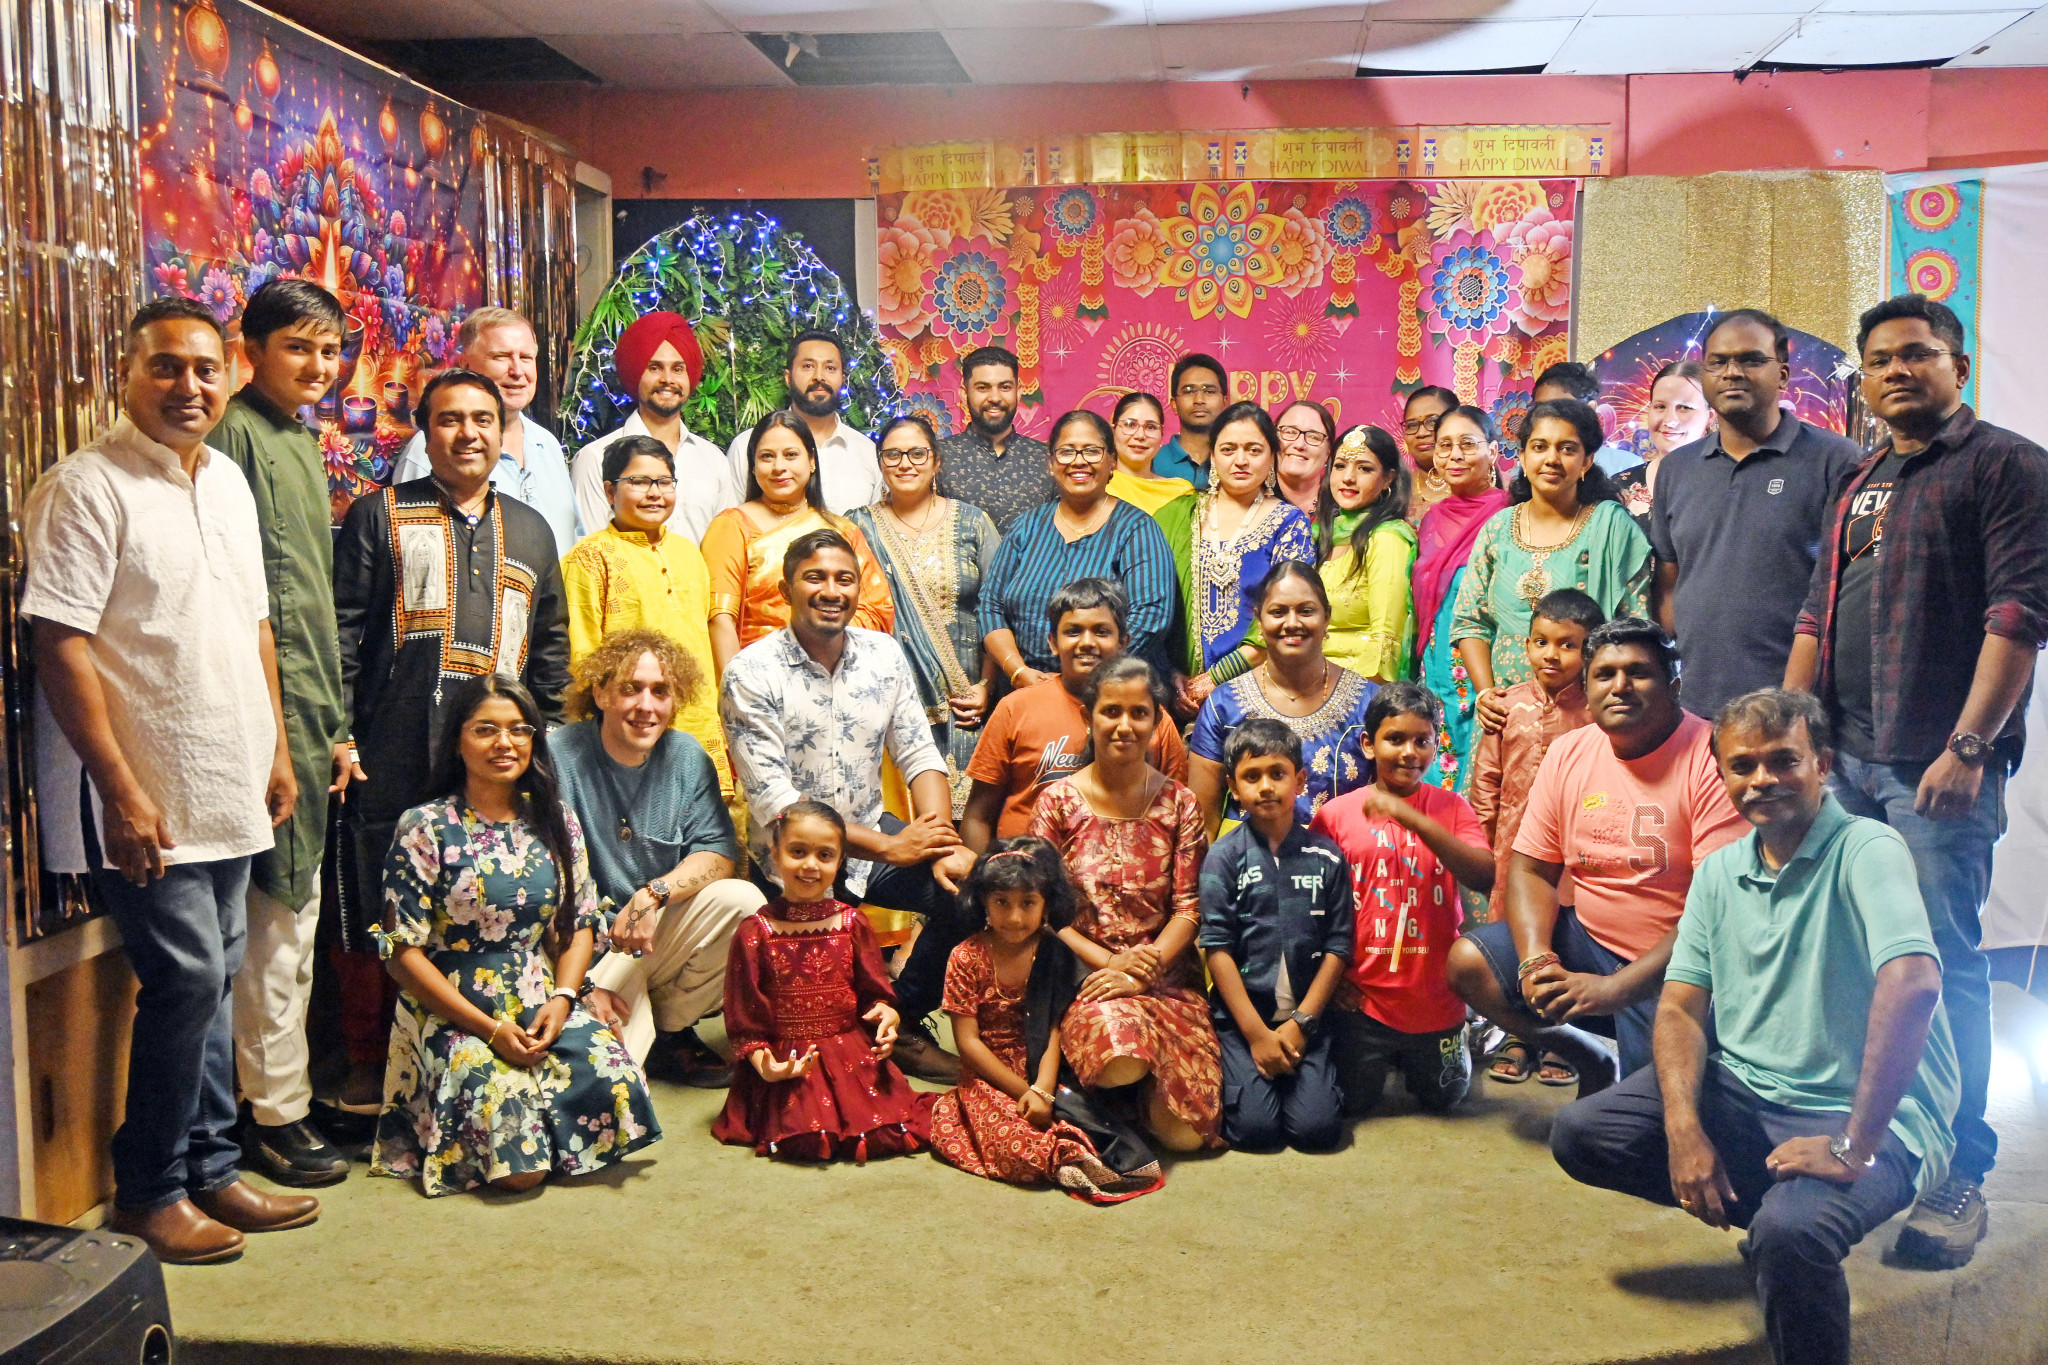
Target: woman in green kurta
x: 1564, y: 527
x: 1367, y: 549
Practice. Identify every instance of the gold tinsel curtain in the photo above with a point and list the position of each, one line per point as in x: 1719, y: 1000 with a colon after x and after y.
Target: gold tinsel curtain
x: 1807, y: 246
x: 530, y: 240
x: 70, y: 275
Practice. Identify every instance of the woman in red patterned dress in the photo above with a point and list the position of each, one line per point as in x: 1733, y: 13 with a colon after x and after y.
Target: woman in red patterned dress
x: 1133, y: 841
x: 808, y: 1084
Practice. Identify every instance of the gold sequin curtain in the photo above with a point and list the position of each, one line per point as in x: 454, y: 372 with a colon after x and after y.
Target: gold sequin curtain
x: 1807, y: 246
x: 70, y: 275
x: 530, y: 240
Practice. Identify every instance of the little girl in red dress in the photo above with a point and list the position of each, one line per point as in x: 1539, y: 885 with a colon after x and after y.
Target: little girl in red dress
x: 1005, y: 1122
x: 808, y: 1083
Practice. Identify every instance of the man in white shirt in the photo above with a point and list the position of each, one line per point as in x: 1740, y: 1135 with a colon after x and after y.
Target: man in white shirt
x: 499, y: 344
x: 815, y: 376
x: 660, y: 363
x: 163, y: 764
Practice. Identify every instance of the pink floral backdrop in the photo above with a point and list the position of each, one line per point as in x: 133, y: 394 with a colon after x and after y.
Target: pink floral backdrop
x: 1351, y: 293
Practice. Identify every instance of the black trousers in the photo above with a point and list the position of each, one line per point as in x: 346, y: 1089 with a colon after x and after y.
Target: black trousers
x: 1262, y: 1115
x: 1436, y: 1067
x: 1799, y: 1229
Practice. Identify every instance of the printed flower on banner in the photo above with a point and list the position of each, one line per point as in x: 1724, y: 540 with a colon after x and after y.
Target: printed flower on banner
x: 1450, y: 208
x: 1470, y: 290
x: 1141, y: 357
x: 1300, y: 334
x: 1222, y: 250
x: 1348, y: 221
x: 1407, y: 205
x: 398, y: 321
x: 260, y: 274
x: 1540, y: 246
x: 1496, y: 203
x: 1138, y: 252
x: 171, y: 279
x: 1072, y: 212
x: 970, y: 294
x: 949, y: 212
x: 902, y: 359
x: 1301, y: 252
x: 217, y: 292
x: 434, y: 338
x: 1508, y: 410
x: 1552, y: 350
x: 908, y: 253
x: 933, y: 409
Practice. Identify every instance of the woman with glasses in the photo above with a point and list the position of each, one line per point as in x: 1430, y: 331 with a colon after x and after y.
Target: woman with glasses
x: 1367, y: 550
x: 1676, y: 415
x: 743, y: 545
x: 1086, y: 533
x: 935, y: 553
x: 1138, y: 421
x: 635, y: 573
x: 1466, y: 448
x: 1224, y: 541
x: 1419, y: 417
x: 497, y: 1075
x: 1307, y: 435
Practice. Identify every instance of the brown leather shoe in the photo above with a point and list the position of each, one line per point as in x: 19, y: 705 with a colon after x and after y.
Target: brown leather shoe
x: 179, y: 1233
x: 244, y: 1207
x: 923, y: 1058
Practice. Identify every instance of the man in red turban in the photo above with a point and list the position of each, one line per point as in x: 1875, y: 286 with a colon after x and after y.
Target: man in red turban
x: 660, y: 363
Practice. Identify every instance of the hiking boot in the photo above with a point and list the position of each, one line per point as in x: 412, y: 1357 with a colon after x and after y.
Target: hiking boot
x: 1944, y: 1228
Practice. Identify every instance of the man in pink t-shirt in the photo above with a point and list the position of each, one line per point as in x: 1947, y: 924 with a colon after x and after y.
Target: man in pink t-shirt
x: 1628, y: 806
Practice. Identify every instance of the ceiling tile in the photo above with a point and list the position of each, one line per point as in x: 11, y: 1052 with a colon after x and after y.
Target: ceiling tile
x: 1394, y: 45
x: 603, y: 17
x: 1036, y: 14
x: 1661, y: 8
x: 1445, y: 10
x: 1903, y: 7
x: 1272, y: 52
x: 666, y: 62
x: 1236, y: 13
x: 1875, y: 39
x: 2023, y: 44
x: 1050, y: 56
x: 399, y: 19
x: 1684, y: 42
x: 824, y: 16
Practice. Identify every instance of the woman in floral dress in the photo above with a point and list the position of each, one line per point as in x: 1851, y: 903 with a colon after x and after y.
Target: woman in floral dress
x: 1133, y: 841
x: 497, y: 1075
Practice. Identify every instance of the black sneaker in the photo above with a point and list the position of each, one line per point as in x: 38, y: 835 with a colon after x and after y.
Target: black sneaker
x: 1944, y: 1228
x: 292, y: 1154
x: 686, y: 1059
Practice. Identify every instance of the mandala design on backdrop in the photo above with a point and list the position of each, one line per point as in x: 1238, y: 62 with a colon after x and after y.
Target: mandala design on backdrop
x: 1933, y: 207
x: 970, y: 294
x: 1222, y: 250
x: 1140, y: 358
x: 1933, y: 272
x: 1471, y: 290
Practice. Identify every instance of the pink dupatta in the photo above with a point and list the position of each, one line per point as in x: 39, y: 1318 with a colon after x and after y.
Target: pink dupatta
x: 1444, y: 543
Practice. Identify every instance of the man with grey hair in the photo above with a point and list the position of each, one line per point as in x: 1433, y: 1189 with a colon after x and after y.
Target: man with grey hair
x: 1805, y: 1079
x: 499, y: 344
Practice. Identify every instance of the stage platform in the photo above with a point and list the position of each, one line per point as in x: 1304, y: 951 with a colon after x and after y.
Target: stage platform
x: 1448, y: 1240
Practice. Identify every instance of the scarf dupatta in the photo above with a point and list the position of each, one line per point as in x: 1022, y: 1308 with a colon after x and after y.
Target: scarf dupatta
x: 1444, y: 543
x: 1108, y: 1117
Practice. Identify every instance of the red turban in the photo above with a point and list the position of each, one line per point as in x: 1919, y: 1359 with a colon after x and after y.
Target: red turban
x: 638, y: 343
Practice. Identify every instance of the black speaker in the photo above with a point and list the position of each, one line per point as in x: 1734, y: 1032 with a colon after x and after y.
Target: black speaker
x: 80, y: 1298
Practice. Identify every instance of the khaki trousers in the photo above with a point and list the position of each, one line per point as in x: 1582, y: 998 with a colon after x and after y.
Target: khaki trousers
x: 682, y: 977
x: 270, y: 994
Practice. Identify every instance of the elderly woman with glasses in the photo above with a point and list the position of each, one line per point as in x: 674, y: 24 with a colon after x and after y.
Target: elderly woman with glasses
x: 1308, y: 433
x: 1086, y: 533
x: 1139, y: 421
x: 935, y: 552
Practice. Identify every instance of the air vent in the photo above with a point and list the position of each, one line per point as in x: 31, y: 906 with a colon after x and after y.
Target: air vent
x: 1476, y: 71
x: 480, y: 61
x: 919, y: 57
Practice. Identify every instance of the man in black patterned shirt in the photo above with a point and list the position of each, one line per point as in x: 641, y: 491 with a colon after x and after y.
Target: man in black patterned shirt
x: 990, y: 464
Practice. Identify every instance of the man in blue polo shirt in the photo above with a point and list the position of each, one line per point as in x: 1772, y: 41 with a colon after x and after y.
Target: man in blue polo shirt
x: 1736, y: 524
x: 1827, y: 1091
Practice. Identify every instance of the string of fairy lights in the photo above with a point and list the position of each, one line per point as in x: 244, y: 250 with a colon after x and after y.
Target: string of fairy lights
x: 747, y: 285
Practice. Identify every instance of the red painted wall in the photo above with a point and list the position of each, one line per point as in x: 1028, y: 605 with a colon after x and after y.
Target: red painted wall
x: 810, y: 143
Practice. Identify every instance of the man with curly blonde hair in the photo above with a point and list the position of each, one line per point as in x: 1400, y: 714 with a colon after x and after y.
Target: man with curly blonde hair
x: 662, y: 848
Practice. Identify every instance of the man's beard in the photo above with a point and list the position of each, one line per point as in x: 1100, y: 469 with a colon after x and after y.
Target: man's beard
x: 981, y: 423
x: 815, y: 407
x: 1196, y: 428
x: 662, y: 408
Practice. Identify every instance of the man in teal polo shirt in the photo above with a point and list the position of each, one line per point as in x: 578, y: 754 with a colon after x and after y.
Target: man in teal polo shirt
x: 1828, y: 1089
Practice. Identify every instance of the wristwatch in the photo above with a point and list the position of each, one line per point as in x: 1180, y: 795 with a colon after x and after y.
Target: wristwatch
x: 659, y: 886
x: 565, y: 992
x: 583, y: 991
x: 1307, y: 1023
x: 1972, y: 749
x: 1840, y: 1147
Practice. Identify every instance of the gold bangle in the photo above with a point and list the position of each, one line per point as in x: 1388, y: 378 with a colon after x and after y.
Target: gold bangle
x: 492, y: 1041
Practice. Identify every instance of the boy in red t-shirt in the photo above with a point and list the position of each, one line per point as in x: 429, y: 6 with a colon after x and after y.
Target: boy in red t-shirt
x: 1410, y: 845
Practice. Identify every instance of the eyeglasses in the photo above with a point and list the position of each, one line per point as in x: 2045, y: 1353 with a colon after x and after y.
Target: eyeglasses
x: 917, y: 457
x: 1416, y: 426
x: 1749, y: 362
x: 1306, y: 435
x: 487, y: 732
x: 1131, y: 426
x: 1080, y: 454
x: 1471, y: 445
x: 640, y: 483
x: 1200, y: 391
x: 1912, y: 357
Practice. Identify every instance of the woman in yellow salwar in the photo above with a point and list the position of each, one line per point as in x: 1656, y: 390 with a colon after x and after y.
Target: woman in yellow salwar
x: 635, y: 573
x: 1139, y: 421
x: 743, y: 546
x: 1367, y: 549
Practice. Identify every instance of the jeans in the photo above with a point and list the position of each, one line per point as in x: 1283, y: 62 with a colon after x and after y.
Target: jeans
x: 1577, y: 951
x: 1953, y: 860
x: 184, y: 933
x: 1262, y: 1115
x: 1436, y: 1067
x: 1799, y: 1229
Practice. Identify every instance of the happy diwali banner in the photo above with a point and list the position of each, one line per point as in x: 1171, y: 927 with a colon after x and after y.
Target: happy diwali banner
x: 1353, y: 293
x: 267, y: 152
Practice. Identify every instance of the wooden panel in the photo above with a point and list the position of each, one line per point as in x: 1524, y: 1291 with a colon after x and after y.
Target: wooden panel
x: 78, y: 1023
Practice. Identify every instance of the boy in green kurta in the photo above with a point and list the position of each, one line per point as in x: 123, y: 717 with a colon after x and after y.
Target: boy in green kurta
x: 292, y: 335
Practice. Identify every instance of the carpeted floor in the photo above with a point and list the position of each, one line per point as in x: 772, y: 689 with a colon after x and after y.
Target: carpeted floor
x: 1443, y: 1240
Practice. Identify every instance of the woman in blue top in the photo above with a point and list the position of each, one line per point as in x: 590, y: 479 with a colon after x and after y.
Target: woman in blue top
x: 1085, y: 534
x: 1224, y: 541
x: 1296, y: 685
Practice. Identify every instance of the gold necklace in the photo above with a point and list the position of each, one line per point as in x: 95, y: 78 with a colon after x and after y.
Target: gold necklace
x: 1081, y: 528
x: 1534, y: 585
x: 1273, y: 680
x: 937, y: 510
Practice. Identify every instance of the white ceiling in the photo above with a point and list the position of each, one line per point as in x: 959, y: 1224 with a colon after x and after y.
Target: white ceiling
x: 700, y: 43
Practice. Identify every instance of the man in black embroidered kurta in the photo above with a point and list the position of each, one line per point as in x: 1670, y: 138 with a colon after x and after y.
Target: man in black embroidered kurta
x: 435, y: 581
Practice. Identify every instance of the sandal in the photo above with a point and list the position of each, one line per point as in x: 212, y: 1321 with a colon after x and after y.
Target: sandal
x: 1512, y: 1062
x: 1556, y: 1071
